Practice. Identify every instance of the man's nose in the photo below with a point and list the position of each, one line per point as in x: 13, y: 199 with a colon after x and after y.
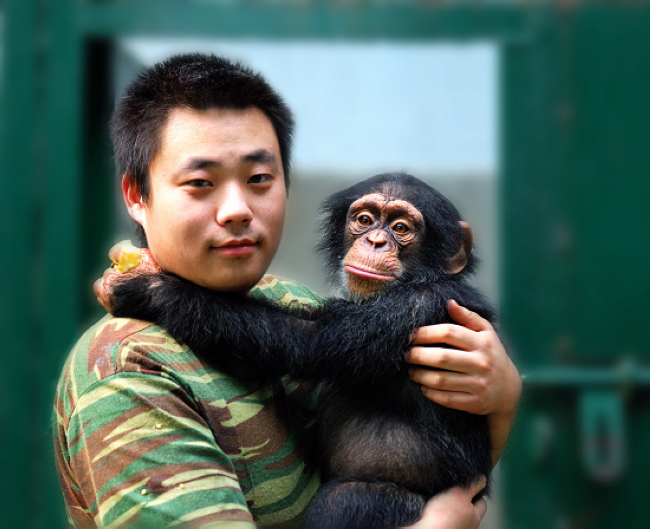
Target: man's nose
x: 233, y: 207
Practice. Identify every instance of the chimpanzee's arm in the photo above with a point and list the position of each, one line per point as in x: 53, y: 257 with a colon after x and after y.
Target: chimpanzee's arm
x: 228, y: 329
x: 367, y: 341
x: 349, y: 341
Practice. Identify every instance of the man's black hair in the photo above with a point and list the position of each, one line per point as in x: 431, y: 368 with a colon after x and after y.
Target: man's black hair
x: 195, y: 81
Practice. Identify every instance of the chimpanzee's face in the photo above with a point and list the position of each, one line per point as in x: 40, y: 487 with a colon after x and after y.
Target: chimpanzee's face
x: 382, y: 235
x: 216, y: 207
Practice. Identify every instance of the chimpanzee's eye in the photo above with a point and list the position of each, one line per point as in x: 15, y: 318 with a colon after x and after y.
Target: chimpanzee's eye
x: 364, y: 220
x: 400, y: 228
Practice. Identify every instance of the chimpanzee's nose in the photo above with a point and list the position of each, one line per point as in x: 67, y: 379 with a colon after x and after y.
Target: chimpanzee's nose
x: 378, y: 239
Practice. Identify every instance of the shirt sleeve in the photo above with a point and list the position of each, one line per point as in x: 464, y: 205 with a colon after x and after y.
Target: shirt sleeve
x: 145, y: 457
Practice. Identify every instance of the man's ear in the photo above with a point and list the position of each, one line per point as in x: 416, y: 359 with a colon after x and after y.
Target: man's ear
x: 133, y: 199
x: 459, y: 261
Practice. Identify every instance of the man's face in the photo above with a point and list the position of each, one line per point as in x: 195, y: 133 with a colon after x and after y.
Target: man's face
x: 217, y: 197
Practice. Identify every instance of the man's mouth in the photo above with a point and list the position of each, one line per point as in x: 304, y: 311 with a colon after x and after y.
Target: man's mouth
x: 236, y: 247
x: 367, y: 274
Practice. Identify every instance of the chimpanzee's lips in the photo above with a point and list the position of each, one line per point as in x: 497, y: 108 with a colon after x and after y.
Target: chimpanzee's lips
x: 367, y: 274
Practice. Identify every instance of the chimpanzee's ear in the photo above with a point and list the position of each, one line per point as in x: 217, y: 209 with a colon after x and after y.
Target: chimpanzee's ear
x: 458, y: 262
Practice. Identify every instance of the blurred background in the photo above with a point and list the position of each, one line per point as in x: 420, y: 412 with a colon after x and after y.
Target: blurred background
x: 532, y: 117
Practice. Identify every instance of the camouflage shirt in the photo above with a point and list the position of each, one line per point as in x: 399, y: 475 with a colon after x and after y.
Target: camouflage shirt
x: 149, y: 435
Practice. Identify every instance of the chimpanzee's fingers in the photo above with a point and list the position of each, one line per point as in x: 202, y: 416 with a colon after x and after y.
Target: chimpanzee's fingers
x: 102, y: 296
x: 467, y: 318
x: 447, y: 333
x: 448, y: 359
x: 148, y: 264
x: 97, y: 288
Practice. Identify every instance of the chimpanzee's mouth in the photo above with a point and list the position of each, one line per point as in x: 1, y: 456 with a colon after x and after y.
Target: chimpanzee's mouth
x: 367, y: 274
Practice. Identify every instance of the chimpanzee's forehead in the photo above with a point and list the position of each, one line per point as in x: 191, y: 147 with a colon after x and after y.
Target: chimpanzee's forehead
x: 390, y: 189
x: 396, y: 190
x: 423, y: 197
x: 385, y: 204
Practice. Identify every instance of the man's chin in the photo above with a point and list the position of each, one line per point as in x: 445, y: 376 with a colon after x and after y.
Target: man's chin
x: 240, y: 284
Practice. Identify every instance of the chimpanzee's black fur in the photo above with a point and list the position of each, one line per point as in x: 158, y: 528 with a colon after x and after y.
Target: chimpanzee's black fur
x: 391, y: 447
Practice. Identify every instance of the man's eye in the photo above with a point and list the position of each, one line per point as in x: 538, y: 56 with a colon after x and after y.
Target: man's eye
x: 259, y: 179
x: 364, y: 220
x: 199, y: 183
x: 400, y: 228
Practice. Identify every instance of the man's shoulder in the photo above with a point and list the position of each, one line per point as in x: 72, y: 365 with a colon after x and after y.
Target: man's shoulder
x: 116, y: 346
x: 130, y: 347
x: 288, y: 293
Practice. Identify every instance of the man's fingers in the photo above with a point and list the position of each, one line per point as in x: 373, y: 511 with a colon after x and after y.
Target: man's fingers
x: 467, y: 318
x: 480, y: 508
x: 456, y: 400
x: 477, y: 486
x: 443, y: 380
x: 446, y: 333
x: 442, y: 358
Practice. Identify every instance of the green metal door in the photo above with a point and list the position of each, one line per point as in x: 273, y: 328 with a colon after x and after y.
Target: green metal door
x: 576, y: 228
x: 575, y: 225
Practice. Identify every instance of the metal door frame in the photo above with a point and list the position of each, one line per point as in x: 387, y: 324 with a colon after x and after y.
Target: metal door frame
x: 56, y: 164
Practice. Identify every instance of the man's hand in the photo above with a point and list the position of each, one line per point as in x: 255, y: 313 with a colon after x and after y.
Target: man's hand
x: 478, y: 375
x: 453, y: 509
x: 104, y: 285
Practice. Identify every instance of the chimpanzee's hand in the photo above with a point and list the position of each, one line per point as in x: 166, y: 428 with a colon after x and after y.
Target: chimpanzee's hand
x: 453, y: 509
x: 478, y: 375
x: 103, y: 287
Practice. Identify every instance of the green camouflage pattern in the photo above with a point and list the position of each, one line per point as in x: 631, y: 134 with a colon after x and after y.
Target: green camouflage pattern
x: 148, y: 435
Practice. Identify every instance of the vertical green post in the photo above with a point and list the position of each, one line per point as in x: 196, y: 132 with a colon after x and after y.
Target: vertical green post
x: 18, y: 254
x: 61, y: 228
x: 532, y: 269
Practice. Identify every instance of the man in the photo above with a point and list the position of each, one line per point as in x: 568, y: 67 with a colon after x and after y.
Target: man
x: 150, y: 435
